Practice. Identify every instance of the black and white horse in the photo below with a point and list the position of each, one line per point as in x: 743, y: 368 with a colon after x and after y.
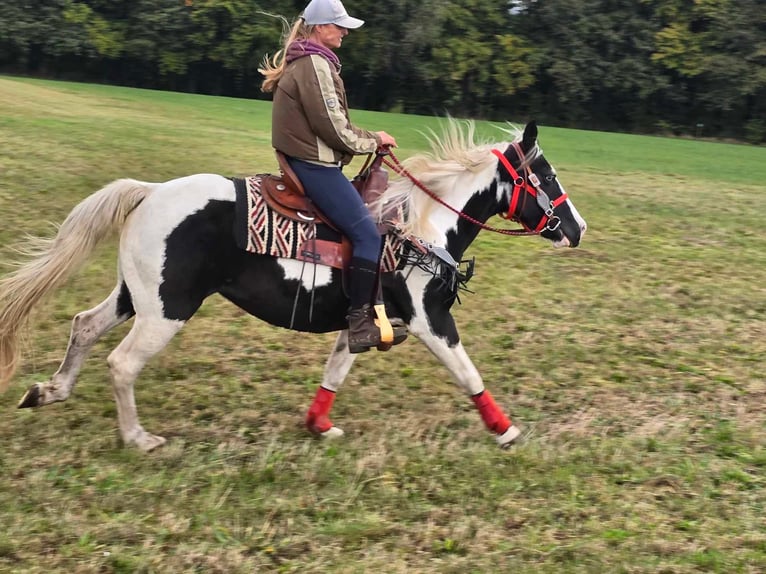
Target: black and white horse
x: 177, y: 247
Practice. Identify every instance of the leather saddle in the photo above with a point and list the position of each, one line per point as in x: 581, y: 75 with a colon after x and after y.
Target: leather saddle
x: 284, y: 193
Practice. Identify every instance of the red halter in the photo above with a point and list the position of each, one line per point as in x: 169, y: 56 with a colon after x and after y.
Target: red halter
x: 519, y: 183
x: 531, y: 184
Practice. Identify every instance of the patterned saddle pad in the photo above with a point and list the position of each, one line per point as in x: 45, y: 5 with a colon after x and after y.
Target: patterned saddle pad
x: 260, y: 229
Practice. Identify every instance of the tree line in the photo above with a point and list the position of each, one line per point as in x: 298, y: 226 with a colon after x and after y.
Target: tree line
x: 694, y: 67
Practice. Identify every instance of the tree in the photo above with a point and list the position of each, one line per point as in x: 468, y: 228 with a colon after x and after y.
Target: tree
x: 593, y: 61
x: 478, y: 59
x: 607, y: 64
x: 35, y: 34
x: 717, y: 48
x: 237, y: 34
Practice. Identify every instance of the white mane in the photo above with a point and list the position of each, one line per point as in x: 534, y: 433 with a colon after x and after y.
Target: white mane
x: 456, y: 167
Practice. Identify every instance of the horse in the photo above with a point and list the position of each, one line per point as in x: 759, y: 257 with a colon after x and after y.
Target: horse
x: 177, y: 247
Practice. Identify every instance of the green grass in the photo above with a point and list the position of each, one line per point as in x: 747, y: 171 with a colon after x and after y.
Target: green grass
x: 633, y: 363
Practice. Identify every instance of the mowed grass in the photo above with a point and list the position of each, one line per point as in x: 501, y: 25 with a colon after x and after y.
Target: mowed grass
x: 633, y: 364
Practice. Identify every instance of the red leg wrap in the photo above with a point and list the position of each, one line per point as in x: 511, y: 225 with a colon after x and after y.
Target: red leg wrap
x: 318, y: 419
x: 490, y: 413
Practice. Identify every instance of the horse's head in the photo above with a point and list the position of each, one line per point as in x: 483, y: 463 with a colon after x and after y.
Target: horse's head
x: 535, y: 197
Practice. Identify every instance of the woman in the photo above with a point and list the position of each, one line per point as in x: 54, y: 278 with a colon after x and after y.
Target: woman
x: 310, y: 125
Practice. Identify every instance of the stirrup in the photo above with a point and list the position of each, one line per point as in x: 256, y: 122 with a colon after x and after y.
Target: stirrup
x: 391, y: 332
x: 386, y: 330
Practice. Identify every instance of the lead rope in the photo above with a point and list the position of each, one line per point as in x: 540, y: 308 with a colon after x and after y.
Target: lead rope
x: 397, y: 166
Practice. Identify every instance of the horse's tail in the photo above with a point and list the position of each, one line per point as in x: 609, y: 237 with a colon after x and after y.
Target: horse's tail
x: 49, y: 262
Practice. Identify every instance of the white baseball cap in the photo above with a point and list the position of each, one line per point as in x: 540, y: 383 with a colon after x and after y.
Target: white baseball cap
x: 329, y: 12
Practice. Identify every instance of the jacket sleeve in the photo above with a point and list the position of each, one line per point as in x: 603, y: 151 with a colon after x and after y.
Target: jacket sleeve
x: 327, y: 116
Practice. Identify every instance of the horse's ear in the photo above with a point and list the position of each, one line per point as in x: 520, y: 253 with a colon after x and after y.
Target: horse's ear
x: 530, y: 136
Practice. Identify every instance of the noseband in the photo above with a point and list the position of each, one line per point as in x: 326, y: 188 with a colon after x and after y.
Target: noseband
x: 530, y: 183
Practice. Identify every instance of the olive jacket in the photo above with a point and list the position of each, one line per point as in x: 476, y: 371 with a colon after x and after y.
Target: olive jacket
x: 310, y: 114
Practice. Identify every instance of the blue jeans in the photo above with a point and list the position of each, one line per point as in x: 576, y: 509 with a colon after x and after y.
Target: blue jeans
x: 334, y: 195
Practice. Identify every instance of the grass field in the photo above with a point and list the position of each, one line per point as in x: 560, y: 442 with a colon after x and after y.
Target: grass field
x: 633, y: 364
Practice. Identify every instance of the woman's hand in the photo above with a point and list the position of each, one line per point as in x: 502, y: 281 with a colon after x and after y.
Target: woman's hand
x: 386, y: 139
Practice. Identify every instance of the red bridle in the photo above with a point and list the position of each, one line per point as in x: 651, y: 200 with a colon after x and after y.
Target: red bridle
x: 531, y: 184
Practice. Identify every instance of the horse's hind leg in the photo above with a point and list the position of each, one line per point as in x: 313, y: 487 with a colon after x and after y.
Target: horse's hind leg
x: 335, y: 371
x: 87, y: 328
x: 148, y: 337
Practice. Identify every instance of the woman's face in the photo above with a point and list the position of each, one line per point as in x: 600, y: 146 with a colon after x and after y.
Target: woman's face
x: 329, y: 35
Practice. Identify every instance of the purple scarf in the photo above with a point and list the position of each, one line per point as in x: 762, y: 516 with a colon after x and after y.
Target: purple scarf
x: 301, y: 48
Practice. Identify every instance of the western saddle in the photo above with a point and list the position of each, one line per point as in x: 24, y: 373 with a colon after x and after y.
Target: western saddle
x: 284, y: 193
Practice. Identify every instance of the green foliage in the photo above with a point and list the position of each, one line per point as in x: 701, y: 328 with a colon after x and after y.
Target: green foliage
x: 755, y: 131
x: 513, y: 67
x: 470, y: 63
x: 597, y: 64
x: 593, y: 62
x: 719, y: 48
x: 677, y: 50
x: 32, y: 33
x: 108, y: 39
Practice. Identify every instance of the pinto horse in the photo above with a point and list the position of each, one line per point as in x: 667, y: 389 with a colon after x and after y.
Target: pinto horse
x: 177, y: 247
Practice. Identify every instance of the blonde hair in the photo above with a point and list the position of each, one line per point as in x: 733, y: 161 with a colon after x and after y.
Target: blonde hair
x: 273, y: 67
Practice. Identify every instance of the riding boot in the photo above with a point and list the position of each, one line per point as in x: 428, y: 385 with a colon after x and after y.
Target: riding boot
x: 363, y: 333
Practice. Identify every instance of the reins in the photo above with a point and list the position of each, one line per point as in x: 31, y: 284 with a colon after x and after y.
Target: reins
x: 397, y: 166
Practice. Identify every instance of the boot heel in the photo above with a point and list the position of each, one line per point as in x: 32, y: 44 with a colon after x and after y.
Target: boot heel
x: 355, y: 350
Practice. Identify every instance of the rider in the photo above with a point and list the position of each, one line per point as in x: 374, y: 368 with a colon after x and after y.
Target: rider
x: 310, y: 125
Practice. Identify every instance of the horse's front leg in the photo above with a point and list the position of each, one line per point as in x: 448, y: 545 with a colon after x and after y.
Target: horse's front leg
x: 337, y: 367
x: 440, y: 335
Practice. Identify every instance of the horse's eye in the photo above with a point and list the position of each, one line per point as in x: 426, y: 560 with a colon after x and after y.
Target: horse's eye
x: 549, y: 178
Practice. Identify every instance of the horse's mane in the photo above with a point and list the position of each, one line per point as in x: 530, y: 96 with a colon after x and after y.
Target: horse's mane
x: 456, y: 166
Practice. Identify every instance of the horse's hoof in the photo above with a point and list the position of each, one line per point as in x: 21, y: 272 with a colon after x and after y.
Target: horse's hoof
x: 332, y: 433
x: 148, y: 442
x: 509, y: 437
x: 31, y: 398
